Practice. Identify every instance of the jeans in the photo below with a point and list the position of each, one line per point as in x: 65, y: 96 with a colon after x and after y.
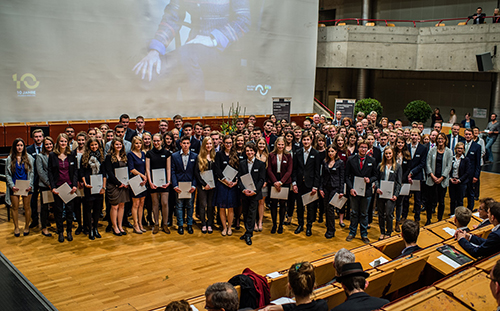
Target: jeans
x: 181, y: 204
x: 385, y: 215
x: 489, y: 142
x: 359, y: 214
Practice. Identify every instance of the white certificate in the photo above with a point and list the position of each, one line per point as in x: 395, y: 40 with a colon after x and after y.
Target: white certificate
x: 96, y: 183
x: 229, y: 173
x: 185, y: 186
x: 159, y: 177
x: 405, y: 189
x: 65, y: 193
x: 387, y: 188
x: 121, y: 174
x: 337, y: 201
x: 135, y: 184
x: 415, y: 186
x: 359, y: 186
x: 47, y: 197
x: 208, y: 177
x: 308, y: 198
x: 23, y: 186
x: 282, y: 195
x: 79, y: 193
x: 247, y: 182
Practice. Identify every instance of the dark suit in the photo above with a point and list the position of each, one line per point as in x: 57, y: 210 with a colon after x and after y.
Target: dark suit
x: 195, y: 145
x: 129, y: 134
x: 185, y: 175
x: 53, y: 170
x: 484, y: 223
x: 479, y: 20
x: 386, y: 206
x: 306, y: 177
x: 332, y: 181
x: 457, y: 192
x: 474, y: 156
x: 416, y: 167
x: 484, y: 248
x: 251, y: 203
x: 272, y: 140
x: 359, y: 204
x: 460, y: 139
x: 472, y: 123
x: 31, y: 149
x: 361, y: 302
x: 408, y: 251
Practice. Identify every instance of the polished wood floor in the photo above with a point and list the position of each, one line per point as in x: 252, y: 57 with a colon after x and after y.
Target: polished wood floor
x: 141, y: 272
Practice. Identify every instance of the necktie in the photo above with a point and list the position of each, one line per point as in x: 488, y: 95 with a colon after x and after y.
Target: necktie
x: 361, y: 163
x: 38, y: 149
x: 453, y: 145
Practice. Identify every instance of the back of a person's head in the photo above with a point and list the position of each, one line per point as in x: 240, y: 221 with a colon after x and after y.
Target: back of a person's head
x: 342, y: 256
x: 222, y: 295
x: 181, y: 305
x: 495, y: 210
x: 462, y: 216
x: 301, y: 278
x: 410, y: 230
x: 496, y: 272
x: 354, y: 283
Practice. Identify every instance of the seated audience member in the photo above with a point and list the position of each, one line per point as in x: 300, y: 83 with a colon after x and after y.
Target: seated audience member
x: 181, y: 305
x: 479, y: 247
x: 221, y: 296
x: 495, y: 283
x: 462, y: 218
x: 478, y: 17
x: 410, y: 231
x: 484, y: 207
x: 468, y: 122
x: 342, y: 256
x: 354, y: 282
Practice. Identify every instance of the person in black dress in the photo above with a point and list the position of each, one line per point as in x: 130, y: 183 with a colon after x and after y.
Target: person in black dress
x: 206, y: 162
x: 403, y: 158
x: 92, y: 163
x: 320, y: 145
x: 136, y: 160
x: 158, y: 158
x: 170, y: 145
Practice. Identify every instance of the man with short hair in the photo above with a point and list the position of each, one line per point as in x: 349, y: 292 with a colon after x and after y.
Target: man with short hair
x: 342, y: 256
x: 70, y: 131
x: 360, y: 116
x: 307, y: 124
x: 34, y: 150
x: 410, y: 231
x: 206, y: 130
x: 256, y: 133
x: 398, y: 124
x: 163, y: 127
x: 331, y: 131
x: 198, y: 131
x: 478, y: 17
x: 221, y: 296
x: 353, y: 280
x: 316, y: 119
x: 119, y: 132
x: 462, y: 218
x: 454, y: 138
x: 240, y: 125
x: 252, y: 119
x: 129, y: 133
x: 360, y: 129
x: 420, y: 126
x: 183, y: 167
x: 362, y: 166
x: 178, y: 123
x: 383, y: 141
x: 479, y: 247
x: 187, y: 130
x: 215, y: 135
x: 268, y: 135
x: 393, y: 135
x: 365, y: 123
x: 297, y: 138
x: 338, y: 118
x: 495, y: 283
x: 438, y: 127
x: 139, y: 126
x: 484, y: 207
x: 473, y: 153
x: 418, y: 154
x: 414, y: 125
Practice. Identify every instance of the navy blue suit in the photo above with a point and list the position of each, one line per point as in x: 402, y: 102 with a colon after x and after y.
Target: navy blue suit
x: 460, y: 139
x: 457, y: 192
x: 186, y: 175
x: 195, y: 145
x: 485, y: 247
x: 416, y: 167
x: 474, y: 156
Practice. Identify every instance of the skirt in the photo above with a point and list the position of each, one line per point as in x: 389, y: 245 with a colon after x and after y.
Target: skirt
x: 117, y: 195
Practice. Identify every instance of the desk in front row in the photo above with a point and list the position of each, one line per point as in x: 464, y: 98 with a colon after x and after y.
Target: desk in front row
x: 428, y: 299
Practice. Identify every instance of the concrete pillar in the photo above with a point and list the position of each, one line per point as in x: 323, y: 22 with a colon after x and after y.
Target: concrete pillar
x: 495, y: 103
x: 367, y: 6
x: 361, y: 91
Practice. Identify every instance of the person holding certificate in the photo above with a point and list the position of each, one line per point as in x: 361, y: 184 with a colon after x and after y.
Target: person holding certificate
x: 388, y: 185
x: 42, y: 168
x: 403, y: 158
x: 262, y: 155
x: 332, y: 182
x: 251, y: 178
x: 93, y: 178
x: 81, y: 137
x: 279, y: 173
x: 62, y: 170
x: 116, y: 189
x: 438, y: 167
x: 136, y: 160
x: 418, y: 153
x: 184, y: 183
x: 158, y: 160
x: 226, y: 196
x: 361, y: 172
x: 460, y: 174
x: 19, y: 171
x: 204, y: 173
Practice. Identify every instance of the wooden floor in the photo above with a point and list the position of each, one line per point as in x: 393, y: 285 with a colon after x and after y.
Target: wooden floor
x: 141, y: 272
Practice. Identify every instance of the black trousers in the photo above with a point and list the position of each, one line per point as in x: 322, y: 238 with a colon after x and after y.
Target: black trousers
x: 292, y: 197
x: 330, y: 215
x: 311, y: 208
x: 436, y: 197
x: 58, y: 211
x: 250, y: 206
x: 34, y: 202
x: 457, y: 193
x: 274, y: 211
x: 92, y: 211
x: 206, y: 208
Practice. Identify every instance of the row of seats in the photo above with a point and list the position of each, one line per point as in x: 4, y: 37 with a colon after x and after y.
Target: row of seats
x: 391, y: 276
x: 393, y: 25
x: 13, y: 130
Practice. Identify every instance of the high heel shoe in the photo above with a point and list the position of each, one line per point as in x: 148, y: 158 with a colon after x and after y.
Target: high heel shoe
x: 117, y: 234
x: 47, y: 235
x: 280, y: 229
x: 137, y: 231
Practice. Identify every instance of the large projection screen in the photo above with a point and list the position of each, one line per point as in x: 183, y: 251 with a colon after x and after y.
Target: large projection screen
x: 84, y: 60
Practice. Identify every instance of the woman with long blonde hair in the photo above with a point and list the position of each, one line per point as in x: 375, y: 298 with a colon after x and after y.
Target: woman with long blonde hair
x: 136, y: 160
x: 206, y: 162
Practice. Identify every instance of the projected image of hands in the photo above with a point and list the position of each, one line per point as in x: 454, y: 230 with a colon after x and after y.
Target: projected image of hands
x: 191, y: 43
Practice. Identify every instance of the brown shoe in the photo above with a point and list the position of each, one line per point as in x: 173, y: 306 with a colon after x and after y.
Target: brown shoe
x: 156, y: 229
x: 397, y: 228
x: 349, y: 238
x: 166, y: 229
x: 365, y: 240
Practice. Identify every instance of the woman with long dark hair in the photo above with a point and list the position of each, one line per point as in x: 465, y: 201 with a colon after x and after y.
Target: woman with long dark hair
x: 403, y: 158
x: 92, y: 163
x: 19, y: 166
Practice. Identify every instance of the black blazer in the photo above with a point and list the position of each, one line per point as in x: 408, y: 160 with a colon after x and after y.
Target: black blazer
x: 464, y: 171
x: 471, y: 121
x: 221, y: 161
x: 474, y: 156
x: 306, y: 174
x: 417, y: 164
x: 394, y: 175
x: 332, y: 179
x: 84, y: 173
x: 405, y: 170
x: 484, y: 224
x: 109, y: 169
x: 53, y: 170
x: 461, y: 139
x: 258, y: 174
x: 361, y: 301
x: 377, y: 155
x: 197, y: 173
x: 129, y: 134
x: 408, y: 251
x: 195, y: 145
x: 369, y: 170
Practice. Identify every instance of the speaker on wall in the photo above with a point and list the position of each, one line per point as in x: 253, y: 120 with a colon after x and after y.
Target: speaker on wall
x: 484, y: 62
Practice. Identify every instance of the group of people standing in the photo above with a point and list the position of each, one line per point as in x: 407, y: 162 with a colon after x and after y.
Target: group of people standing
x: 315, y: 168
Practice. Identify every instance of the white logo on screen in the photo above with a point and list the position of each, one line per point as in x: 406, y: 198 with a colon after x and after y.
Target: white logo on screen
x: 263, y: 89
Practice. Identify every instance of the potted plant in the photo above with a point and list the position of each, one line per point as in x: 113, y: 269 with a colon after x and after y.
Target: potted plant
x: 368, y: 105
x: 418, y: 110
